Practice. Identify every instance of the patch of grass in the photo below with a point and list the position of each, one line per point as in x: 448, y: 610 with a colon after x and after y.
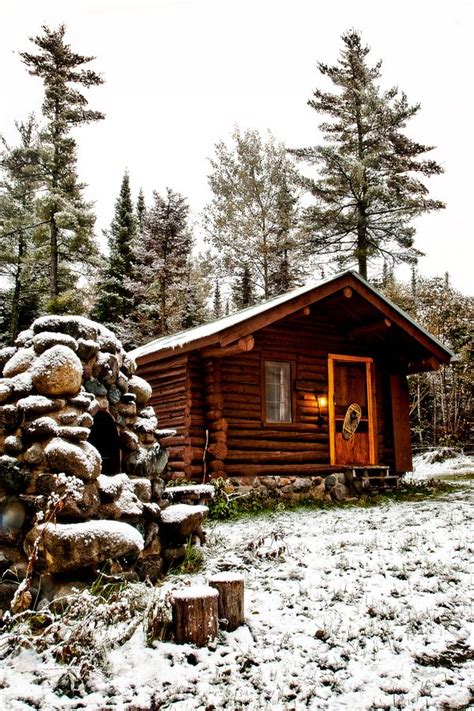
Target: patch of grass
x: 191, y: 563
x: 467, y: 476
x: 227, y: 506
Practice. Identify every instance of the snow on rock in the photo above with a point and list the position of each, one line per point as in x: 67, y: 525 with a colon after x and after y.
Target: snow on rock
x: 75, y: 326
x: 140, y: 388
x: 46, y: 339
x: 57, y: 371
x: 19, y: 362
x: 38, y: 405
x: 179, y: 521
x: 80, y: 459
x: 72, y: 546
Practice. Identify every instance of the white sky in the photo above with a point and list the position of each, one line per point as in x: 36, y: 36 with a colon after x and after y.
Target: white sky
x: 181, y: 73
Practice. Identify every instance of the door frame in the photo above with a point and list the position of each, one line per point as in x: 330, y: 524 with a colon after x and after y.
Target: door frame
x: 371, y: 413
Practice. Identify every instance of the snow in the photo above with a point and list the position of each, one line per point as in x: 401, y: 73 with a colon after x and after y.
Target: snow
x: 183, y: 338
x: 428, y: 465
x: 195, y: 592
x: 177, y: 513
x: 198, y: 489
x: 121, y: 533
x: 227, y: 577
x: 346, y: 608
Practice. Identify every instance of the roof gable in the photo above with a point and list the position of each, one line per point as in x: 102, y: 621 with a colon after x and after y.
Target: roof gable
x: 229, y: 329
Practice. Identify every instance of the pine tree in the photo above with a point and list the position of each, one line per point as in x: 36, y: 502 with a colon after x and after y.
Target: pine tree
x: 69, y: 238
x: 162, y: 257
x: 115, y: 301
x: 194, y: 311
x: 253, y: 216
x: 141, y: 209
x: 367, y: 192
x: 242, y: 289
x: 20, y: 258
x: 217, y: 301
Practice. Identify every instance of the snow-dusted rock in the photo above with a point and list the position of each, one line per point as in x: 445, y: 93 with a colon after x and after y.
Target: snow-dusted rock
x: 45, y: 340
x: 42, y: 428
x: 140, y: 388
x: 5, y: 355
x: 35, y: 405
x: 75, y: 326
x: 74, y: 434
x: 57, y: 371
x: 5, y: 389
x: 19, y: 362
x: 81, y: 459
x: 24, y: 338
x: 180, y: 521
x: 72, y: 546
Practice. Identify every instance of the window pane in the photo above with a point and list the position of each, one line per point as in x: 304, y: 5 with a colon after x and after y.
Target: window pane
x: 278, y: 391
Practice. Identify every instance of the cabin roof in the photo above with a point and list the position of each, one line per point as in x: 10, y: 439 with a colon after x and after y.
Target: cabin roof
x: 230, y: 328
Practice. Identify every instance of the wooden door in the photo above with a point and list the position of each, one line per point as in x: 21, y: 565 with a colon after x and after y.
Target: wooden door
x: 350, y: 381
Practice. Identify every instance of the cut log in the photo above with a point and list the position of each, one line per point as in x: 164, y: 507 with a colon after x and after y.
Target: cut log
x: 230, y: 587
x: 195, y: 615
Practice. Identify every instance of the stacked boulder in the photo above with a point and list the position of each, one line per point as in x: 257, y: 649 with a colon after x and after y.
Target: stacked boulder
x: 77, y: 435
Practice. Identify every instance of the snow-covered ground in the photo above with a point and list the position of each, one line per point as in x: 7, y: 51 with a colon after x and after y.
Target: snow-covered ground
x: 346, y: 608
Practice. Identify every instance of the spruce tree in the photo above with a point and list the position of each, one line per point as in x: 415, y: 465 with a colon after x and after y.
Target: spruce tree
x: 20, y: 258
x: 162, y: 257
x: 115, y: 301
x: 69, y: 238
x: 141, y: 209
x: 242, y: 290
x: 217, y: 301
x: 252, y: 218
x: 367, y: 192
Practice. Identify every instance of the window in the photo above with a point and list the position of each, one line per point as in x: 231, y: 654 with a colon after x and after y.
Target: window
x: 277, y: 391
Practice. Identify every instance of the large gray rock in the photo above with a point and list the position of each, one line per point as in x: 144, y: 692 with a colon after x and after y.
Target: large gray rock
x: 140, y: 388
x: 79, y: 459
x: 75, y: 326
x: 179, y: 521
x: 57, y: 371
x: 19, y: 362
x: 45, y: 340
x: 71, y: 546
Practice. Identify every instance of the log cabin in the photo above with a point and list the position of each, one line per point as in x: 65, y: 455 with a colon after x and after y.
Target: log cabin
x: 311, y: 382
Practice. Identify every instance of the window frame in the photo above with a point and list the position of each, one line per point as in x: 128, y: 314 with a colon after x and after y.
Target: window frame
x: 274, y: 358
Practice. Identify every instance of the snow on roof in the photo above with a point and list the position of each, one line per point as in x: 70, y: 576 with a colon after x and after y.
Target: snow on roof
x: 183, y: 338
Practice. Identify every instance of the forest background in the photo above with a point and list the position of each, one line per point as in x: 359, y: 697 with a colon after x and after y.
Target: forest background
x: 272, y: 217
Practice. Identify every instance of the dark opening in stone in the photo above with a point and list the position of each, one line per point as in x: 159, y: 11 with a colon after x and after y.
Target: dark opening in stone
x: 105, y: 439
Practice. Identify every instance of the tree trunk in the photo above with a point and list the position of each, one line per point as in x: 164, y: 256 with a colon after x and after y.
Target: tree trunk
x: 195, y: 615
x: 231, y: 599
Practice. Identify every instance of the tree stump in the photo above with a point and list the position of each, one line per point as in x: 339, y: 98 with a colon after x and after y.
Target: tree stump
x: 195, y: 615
x: 231, y: 598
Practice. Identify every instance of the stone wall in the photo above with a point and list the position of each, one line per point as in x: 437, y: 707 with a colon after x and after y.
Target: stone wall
x: 332, y: 487
x: 78, y: 440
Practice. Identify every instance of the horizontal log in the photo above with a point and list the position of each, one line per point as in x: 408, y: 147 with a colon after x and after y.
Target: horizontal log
x: 217, y: 450
x: 380, y: 326
x: 216, y: 466
x: 237, y: 416
x: 277, y: 456
x: 235, y: 444
x: 218, y: 425
x: 243, y: 345
x: 423, y: 366
x: 321, y: 433
x: 274, y: 469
